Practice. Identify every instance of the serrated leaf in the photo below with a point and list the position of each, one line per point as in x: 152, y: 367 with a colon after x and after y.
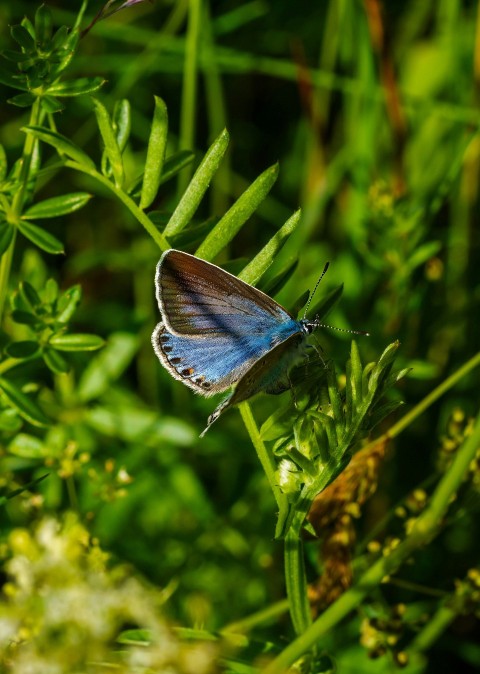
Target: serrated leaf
x: 55, y: 361
x: 157, y: 144
x: 229, y: 225
x: 23, y: 404
x: 56, y: 206
x: 76, y: 342
x: 61, y: 144
x: 78, y: 87
x: 40, y: 237
x: 22, y: 349
x: 112, y: 149
x: 198, y: 185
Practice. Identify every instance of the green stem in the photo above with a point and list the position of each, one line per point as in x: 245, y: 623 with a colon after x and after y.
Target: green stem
x: 435, y: 627
x: 18, y: 201
x: 8, y: 363
x: 264, y: 455
x: 189, y: 91
x: 137, y: 212
x: 296, y: 583
x: 425, y: 528
x: 262, y: 617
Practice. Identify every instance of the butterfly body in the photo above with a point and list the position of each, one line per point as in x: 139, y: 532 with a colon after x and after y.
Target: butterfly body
x: 218, y: 332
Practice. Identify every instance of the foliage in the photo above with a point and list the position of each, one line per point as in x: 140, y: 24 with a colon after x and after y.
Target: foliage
x: 366, y: 116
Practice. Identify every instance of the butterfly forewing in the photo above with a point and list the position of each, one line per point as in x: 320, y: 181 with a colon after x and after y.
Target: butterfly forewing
x: 197, y: 298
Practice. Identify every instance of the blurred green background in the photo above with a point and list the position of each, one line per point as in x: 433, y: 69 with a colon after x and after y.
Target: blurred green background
x: 372, y: 111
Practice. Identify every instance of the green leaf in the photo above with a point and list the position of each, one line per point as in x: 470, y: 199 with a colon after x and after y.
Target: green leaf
x: 78, y: 87
x: 23, y: 100
x: 172, y: 166
x: 107, y: 366
x: 157, y: 144
x: 10, y: 421
x: 55, y: 361
x: 61, y: 144
x: 273, y: 285
x: 20, y: 490
x: 122, y: 119
x: 198, y: 185
x: 23, y: 404
x: 237, y: 215
x: 325, y: 304
x: 29, y: 295
x: 60, y: 37
x: 21, y: 35
x: 27, y: 446
x: 68, y: 303
x: 50, y: 291
x: 51, y: 105
x: 6, y: 235
x: 24, y: 317
x: 43, y: 25
x: 262, y: 261
x: 110, y: 141
x: 56, y: 206
x: 3, y: 163
x: 421, y: 255
x: 76, y: 342
x: 40, y: 237
x: 355, y: 375
x: 12, y: 79
x: 22, y: 349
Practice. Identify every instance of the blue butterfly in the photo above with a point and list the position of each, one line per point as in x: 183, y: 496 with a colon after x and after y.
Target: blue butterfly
x: 218, y: 332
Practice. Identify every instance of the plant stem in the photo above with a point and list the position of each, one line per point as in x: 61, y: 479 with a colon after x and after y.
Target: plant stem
x: 425, y: 528
x: 18, y: 201
x: 264, y: 455
x: 435, y: 627
x: 137, y: 212
x: 296, y: 583
x: 189, y: 91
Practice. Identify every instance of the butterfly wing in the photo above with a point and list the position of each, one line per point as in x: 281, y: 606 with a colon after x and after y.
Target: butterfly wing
x: 198, y: 298
x: 215, y: 327
x: 269, y: 373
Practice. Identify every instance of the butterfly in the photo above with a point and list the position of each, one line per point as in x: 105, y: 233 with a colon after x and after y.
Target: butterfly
x: 218, y: 332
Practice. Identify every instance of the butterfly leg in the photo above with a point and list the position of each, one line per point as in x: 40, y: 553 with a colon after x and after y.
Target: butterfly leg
x: 216, y: 413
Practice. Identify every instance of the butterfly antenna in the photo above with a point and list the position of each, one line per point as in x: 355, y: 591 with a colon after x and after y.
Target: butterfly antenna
x: 352, y: 332
x: 315, y: 289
